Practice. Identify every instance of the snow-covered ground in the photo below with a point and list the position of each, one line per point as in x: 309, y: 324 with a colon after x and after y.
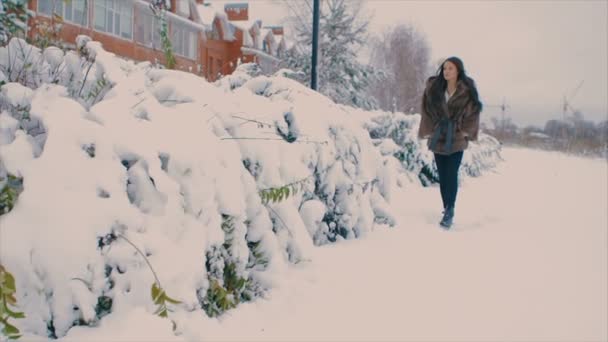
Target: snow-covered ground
x: 525, y: 261
x: 104, y: 155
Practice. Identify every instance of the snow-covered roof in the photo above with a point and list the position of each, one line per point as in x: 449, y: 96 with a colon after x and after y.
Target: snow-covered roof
x: 245, y: 25
x: 282, y: 43
x: 264, y: 32
x: 174, y: 17
x: 267, y: 35
x: 247, y: 39
x: 237, y: 5
x: 207, y: 14
x: 259, y: 53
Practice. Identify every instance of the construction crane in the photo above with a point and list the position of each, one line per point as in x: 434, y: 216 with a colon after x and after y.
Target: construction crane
x: 566, y: 104
x: 503, y: 109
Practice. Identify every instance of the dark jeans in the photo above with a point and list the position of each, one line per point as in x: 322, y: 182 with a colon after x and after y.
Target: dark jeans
x: 447, y: 167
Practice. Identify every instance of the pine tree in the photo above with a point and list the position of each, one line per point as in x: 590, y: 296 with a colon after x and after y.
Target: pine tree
x: 342, y: 32
x: 13, y: 19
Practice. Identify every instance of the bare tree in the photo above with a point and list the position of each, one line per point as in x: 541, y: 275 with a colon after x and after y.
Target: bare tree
x: 404, y: 55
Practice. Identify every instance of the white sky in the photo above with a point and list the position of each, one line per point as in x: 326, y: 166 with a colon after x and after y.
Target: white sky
x: 531, y: 52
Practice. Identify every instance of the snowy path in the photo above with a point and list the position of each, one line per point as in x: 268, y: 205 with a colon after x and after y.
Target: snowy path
x: 527, y: 260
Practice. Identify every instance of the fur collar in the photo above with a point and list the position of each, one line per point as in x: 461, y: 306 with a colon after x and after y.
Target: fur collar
x: 454, y: 108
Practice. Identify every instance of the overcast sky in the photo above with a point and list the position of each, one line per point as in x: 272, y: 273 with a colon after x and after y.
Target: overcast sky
x: 530, y: 52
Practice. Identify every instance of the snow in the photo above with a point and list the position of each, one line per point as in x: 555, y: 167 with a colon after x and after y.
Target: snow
x: 16, y: 95
x: 181, y: 19
x: 207, y: 14
x: 159, y: 159
x: 260, y: 54
x: 508, y: 271
x: 539, y: 135
x: 53, y: 56
x: 246, y: 26
x: 526, y: 273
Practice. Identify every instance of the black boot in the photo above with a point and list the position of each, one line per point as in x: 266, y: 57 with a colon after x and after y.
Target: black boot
x: 448, y: 217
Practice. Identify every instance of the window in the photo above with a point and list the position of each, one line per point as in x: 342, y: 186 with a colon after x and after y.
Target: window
x: 114, y: 17
x: 183, y: 8
x: 147, y: 30
x: 183, y: 40
x: 46, y: 7
x: 73, y: 11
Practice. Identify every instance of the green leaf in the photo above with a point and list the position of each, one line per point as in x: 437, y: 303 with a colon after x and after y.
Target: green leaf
x: 274, y: 196
x: 277, y: 192
x: 264, y: 196
x: 162, y: 312
x: 10, y: 330
x: 286, y: 190
x: 14, y: 314
x: 156, y: 294
x: 11, y: 299
x: 171, y: 300
x: 9, y: 283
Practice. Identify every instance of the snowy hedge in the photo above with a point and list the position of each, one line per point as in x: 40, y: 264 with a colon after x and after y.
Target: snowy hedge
x: 140, y: 187
x: 124, y: 187
x: 396, y: 134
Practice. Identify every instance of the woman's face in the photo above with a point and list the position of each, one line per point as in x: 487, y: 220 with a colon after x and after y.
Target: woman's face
x: 450, y: 73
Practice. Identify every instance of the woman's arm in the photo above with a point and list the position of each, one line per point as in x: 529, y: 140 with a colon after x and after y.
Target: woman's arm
x: 470, y: 122
x: 426, y: 122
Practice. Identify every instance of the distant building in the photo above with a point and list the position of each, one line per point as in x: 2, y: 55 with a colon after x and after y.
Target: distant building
x: 206, y: 41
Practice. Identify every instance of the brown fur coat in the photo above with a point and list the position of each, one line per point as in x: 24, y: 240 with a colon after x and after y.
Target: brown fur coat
x: 460, y: 108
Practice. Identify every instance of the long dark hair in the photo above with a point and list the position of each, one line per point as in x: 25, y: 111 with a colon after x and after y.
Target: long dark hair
x: 439, y: 85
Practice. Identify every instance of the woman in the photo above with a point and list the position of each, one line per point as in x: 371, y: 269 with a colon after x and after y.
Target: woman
x: 450, y: 119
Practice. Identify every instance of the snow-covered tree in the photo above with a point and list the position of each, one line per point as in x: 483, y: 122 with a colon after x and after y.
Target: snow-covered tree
x: 13, y: 18
x: 342, y: 32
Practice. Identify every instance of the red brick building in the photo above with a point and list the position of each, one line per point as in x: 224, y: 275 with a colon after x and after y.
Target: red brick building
x: 206, y: 41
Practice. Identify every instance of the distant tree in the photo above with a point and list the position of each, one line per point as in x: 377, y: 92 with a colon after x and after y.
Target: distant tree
x: 403, y: 53
x: 558, y: 129
x: 602, y: 131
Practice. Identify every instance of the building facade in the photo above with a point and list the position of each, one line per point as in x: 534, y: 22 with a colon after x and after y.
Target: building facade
x: 205, y: 40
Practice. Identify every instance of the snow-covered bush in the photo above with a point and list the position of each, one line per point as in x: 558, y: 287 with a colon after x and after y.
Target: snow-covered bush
x: 243, y: 73
x: 481, y: 155
x: 163, y: 178
x: 397, y: 134
x: 83, y: 72
x: 335, y: 158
